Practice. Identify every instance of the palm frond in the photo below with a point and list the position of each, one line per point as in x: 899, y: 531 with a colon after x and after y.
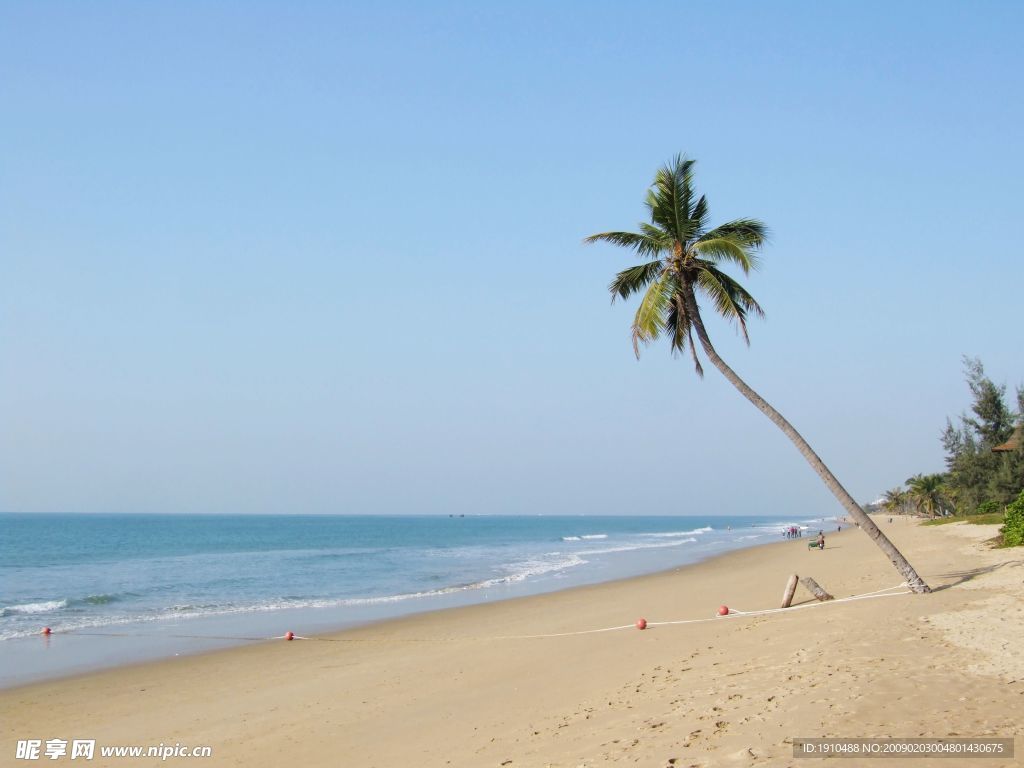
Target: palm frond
x: 671, y: 201
x: 731, y: 299
x: 649, y: 321
x: 634, y: 279
x: 679, y: 326
x: 651, y: 201
x: 681, y: 253
x: 641, y: 243
x: 656, y: 235
x: 747, y: 233
x: 662, y: 211
x: 723, y: 249
x: 736, y: 241
x: 699, y: 217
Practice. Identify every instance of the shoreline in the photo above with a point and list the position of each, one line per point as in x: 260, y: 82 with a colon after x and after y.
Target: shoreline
x: 463, y: 686
x: 190, y: 636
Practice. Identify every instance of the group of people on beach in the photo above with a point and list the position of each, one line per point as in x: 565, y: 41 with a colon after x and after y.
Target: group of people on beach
x: 796, y: 532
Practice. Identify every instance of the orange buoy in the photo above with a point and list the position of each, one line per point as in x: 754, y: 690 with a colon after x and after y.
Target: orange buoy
x: 723, y: 610
x: 289, y: 636
x: 641, y: 623
x: 47, y: 631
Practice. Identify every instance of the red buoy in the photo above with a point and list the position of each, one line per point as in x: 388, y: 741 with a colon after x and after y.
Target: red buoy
x: 47, y: 631
x: 723, y: 610
x: 641, y: 623
x: 289, y: 636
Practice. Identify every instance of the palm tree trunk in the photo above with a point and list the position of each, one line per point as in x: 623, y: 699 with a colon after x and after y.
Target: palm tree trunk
x: 915, y: 582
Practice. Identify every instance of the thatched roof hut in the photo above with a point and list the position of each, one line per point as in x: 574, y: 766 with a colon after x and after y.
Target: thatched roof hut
x: 1013, y: 443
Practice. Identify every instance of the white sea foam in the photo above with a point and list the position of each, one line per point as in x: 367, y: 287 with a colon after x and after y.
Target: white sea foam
x: 676, y: 534
x: 46, y: 606
x: 92, y: 613
x: 530, y: 568
x: 780, y: 527
x: 518, y: 572
x: 632, y: 547
x: 552, y: 562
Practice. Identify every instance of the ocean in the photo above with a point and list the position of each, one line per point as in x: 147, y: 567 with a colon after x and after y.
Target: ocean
x: 120, y: 588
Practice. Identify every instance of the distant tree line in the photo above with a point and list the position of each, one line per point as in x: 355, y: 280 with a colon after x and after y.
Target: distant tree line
x: 984, y: 462
x: 976, y: 475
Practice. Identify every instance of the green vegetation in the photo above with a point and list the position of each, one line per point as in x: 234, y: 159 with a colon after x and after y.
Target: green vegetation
x: 993, y: 518
x: 897, y: 502
x: 988, y: 508
x: 976, y: 474
x: 1013, y: 527
x: 929, y: 494
x: 984, y: 481
x: 683, y: 257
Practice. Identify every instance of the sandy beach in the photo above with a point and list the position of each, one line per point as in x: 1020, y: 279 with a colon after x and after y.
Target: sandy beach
x: 466, y: 687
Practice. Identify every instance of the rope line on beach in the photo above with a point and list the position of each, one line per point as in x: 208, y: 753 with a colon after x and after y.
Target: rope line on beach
x: 733, y: 614
x: 862, y: 596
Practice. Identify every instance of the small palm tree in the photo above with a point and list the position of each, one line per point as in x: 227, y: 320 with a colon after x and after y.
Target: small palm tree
x: 895, y: 501
x: 683, y: 256
x: 928, y: 494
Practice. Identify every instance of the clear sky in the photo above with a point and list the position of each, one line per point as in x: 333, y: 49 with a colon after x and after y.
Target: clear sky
x: 325, y: 257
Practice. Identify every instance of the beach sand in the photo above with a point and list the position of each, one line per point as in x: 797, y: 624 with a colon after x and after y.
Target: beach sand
x: 452, y: 688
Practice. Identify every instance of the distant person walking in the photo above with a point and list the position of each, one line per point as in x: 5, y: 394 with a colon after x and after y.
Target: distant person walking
x: 821, y: 539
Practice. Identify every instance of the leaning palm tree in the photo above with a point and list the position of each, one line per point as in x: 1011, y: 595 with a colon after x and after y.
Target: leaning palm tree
x: 683, y: 256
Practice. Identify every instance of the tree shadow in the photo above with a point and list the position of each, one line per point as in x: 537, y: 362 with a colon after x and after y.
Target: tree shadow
x: 960, y: 577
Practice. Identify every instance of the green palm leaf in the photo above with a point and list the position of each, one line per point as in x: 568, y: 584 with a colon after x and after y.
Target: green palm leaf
x: 669, y: 199
x: 724, y: 249
x: 649, y: 321
x: 731, y: 301
x: 679, y: 327
x: 699, y: 216
x: 677, y: 242
x: 634, y: 279
x: 642, y: 244
x: 748, y: 233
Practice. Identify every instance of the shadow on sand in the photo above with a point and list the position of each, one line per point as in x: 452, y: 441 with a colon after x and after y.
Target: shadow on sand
x: 959, y: 577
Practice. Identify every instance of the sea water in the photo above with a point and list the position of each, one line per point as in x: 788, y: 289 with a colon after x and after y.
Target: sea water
x: 118, y: 588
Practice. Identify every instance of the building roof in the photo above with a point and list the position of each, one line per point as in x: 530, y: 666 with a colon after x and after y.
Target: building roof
x: 1014, y: 442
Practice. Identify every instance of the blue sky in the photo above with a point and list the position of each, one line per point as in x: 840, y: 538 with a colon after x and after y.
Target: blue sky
x: 324, y: 257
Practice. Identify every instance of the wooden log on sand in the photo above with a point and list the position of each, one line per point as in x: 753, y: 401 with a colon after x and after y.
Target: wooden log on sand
x: 787, y: 596
x: 815, y: 588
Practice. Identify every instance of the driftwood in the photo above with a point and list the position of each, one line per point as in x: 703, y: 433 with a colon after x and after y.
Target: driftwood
x: 787, y: 596
x: 815, y: 588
